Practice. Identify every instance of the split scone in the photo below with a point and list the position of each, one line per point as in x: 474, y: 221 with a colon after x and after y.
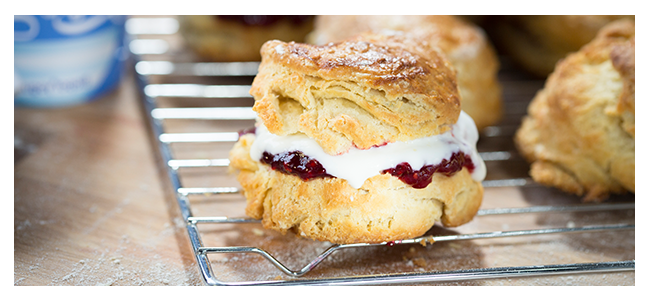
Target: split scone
x: 537, y: 43
x: 464, y: 44
x: 358, y: 141
x: 579, y: 132
x: 239, y: 38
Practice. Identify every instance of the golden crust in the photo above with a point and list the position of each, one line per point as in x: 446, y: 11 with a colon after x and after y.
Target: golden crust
x: 464, y: 44
x: 362, y: 92
x: 383, y: 209
x: 537, y: 43
x: 218, y: 39
x: 579, y: 132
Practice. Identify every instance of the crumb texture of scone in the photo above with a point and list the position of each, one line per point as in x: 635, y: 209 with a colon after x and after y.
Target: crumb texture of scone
x: 579, y: 131
x: 329, y: 209
x: 362, y: 92
x: 537, y: 43
x: 465, y: 45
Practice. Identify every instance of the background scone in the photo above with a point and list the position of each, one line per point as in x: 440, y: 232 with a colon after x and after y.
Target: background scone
x: 239, y: 38
x: 359, y: 141
x: 537, y: 43
x: 465, y: 45
x: 579, y: 132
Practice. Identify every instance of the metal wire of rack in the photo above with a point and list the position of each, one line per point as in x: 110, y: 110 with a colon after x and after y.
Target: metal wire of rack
x: 161, y: 117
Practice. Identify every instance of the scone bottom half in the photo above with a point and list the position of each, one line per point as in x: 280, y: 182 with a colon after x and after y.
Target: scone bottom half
x: 358, y: 142
x: 328, y: 208
x: 292, y: 191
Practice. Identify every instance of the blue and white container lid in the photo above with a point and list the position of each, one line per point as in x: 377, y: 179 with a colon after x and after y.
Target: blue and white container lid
x: 66, y: 60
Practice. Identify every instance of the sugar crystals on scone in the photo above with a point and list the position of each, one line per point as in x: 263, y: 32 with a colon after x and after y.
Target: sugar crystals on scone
x: 465, y: 45
x: 358, y: 141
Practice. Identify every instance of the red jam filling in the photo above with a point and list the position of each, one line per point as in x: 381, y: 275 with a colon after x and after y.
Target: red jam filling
x: 295, y: 163
x: 421, y: 178
x: 298, y: 164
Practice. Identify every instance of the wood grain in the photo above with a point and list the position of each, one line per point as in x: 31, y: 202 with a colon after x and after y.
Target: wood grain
x: 90, y: 206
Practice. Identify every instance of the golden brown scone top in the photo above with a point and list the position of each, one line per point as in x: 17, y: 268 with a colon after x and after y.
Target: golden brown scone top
x: 579, y: 132
x: 379, y: 62
x: 465, y: 46
x: 362, y: 92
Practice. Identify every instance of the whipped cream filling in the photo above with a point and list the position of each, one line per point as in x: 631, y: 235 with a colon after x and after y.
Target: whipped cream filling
x: 357, y: 165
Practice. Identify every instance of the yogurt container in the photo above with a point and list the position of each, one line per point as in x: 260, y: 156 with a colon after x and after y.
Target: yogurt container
x: 66, y: 60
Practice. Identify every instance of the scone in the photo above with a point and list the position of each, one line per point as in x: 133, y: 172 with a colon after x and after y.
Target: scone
x: 537, y: 43
x: 358, y: 141
x: 239, y: 38
x: 464, y: 44
x: 579, y: 132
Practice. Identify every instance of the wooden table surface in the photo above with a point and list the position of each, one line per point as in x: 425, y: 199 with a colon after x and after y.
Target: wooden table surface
x: 92, y: 206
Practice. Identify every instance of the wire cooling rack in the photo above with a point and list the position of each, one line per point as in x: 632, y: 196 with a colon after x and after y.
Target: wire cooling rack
x: 195, y: 109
